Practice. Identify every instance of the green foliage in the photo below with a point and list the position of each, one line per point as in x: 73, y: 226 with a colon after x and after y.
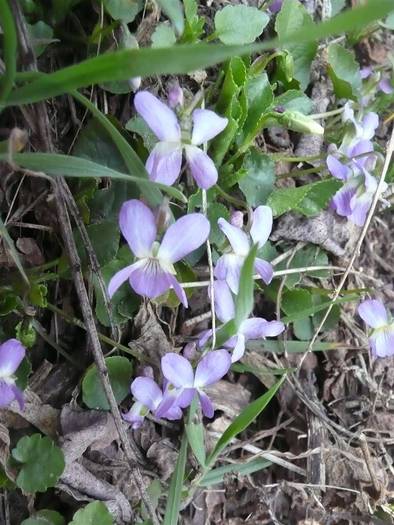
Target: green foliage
x: 9, y: 50
x: 40, y: 463
x: 195, y: 436
x: 239, y: 24
x: 120, y: 370
x: 38, y: 295
x: 95, y: 513
x: 344, y: 72
x: 25, y: 332
x: 215, y: 476
x: 216, y: 210
x: 294, y: 100
x: 308, y: 199
x: 292, y: 17
x: 294, y: 301
x: 174, y: 10
x: 244, y: 300
x: 194, y: 24
x: 258, y: 177
x: 176, y: 484
x: 123, y: 10
x: 11, y: 246
x: 41, y: 35
x: 163, y: 36
x: 104, y: 237
x: 45, y: 517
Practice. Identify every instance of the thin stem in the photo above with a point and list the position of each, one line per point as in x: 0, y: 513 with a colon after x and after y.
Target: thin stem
x: 326, y: 114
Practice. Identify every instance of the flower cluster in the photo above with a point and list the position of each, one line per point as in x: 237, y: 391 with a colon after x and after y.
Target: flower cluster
x: 181, y: 385
x: 165, y: 161
x: 353, y: 163
x: 381, y: 339
x: 12, y: 353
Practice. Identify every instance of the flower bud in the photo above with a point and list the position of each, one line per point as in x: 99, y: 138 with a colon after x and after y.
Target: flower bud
x: 286, y: 64
x: 190, y: 351
x: 297, y: 121
x: 237, y: 219
x: 175, y: 96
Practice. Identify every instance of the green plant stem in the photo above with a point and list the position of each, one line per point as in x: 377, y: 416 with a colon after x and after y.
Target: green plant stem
x: 76, y: 322
x: 230, y: 198
x: 10, y: 45
x: 262, y: 62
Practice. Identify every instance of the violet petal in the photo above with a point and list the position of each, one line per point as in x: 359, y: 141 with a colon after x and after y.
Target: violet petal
x: 373, y: 313
x: 206, y: 125
x: 159, y: 117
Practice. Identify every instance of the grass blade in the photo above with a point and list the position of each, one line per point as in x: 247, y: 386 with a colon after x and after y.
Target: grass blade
x: 175, y: 492
x: 14, y: 254
x: 69, y: 166
x: 9, y: 50
x: 245, y: 418
x: 180, y: 59
x: 216, y: 475
x: 244, y: 300
x: 195, y: 436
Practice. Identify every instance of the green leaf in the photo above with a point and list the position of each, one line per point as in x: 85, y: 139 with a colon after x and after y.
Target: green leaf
x: 69, y: 166
x: 216, y: 210
x: 38, y: 295
x: 308, y: 256
x: 216, y: 475
x: 294, y: 100
x: 194, y: 24
x: 294, y: 301
x: 259, y: 96
x: 45, y: 517
x: 96, y: 513
x: 163, y: 36
x: 292, y: 17
x: 175, y: 491
x: 239, y: 24
x: 120, y: 370
x: 258, y: 180
x: 8, y: 302
x: 303, y: 329
x: 41, y: 34
x: 389, y: 22
x: 244, y: 300
x: 337, y: 6
x: 301, y: 314
x: 244, y: 420
x: 174, y: 10
x: 124, y: 10
x: 10, y: 51
x: 344, y: 72
x: 195, y: 436
x: 104, y: 238
x: 138, y: 125
x: 10, y: 243
x: 41, y: 463
x: 308, y: 199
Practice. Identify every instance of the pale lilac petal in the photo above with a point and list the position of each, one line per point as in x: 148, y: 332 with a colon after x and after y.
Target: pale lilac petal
x: 275, y: 6
x: 173, y: 413
x: 224, y: 303
x: 206, y: 405
x: 229, y: 267
x: 146, y: 391
x: 341, y: 202
x: 360, y: 208
x: 177, y: 370
x: 237, y: 238
x: 120, y: 277
x: 202, y: 167
x: 385, y: 86
x: 212, y: 367
x: 348, y: 113
x: 253, y: 328
x: 206, y: 125
x: 184, y: 236
x: 168, y: 399
x: 382, y: 342
x: 186, y: 397
x: 149, y: 278
x: 239, y: 349
x: 369, y: 124
x: 337, y: 169
x: 373, y: 313
x: 365, y: 72
x: 138, y: 226
x: 264, y: 269
x: 159, y: 117
x: 204, y: 337
x: 18, y: 394
x: 164, y: 162
x: 180, y: 292
x: 133, y: 416
x: 12, y: 353
x: 261, y: 225
x: 175, y: 96
x: 272, y: 328
x: 359, y: 151
x: 7, y: 394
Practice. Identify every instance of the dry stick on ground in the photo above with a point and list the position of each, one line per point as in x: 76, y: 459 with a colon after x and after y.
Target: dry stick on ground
x: 389, y: 152
x: 132, y: 453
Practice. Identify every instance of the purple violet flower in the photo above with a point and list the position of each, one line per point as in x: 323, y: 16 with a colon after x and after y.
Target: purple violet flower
x: 381, y: 339
x: 186, y: 383
x: 252, y: 328
x: 150, y: 398
x: 384, y: 84
x: 12, y: 353
x: 164, y: 162
x: 154, y: 273
x: 228, y: 266
x: 275, y: 6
